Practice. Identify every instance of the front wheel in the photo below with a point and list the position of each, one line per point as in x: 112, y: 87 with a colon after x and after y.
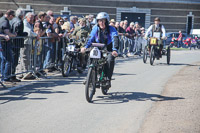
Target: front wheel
x: 145, y: 54
x: 152, y: 55
x: 168, y: 55
x: 66, y: 66
x: 90, y: 84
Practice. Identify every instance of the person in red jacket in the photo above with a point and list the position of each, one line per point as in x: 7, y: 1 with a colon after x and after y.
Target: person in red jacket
x: 180, y: 39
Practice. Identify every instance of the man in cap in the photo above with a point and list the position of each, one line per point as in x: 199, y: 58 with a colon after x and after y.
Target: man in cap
x: 159, y: 28
x: 65, y: 19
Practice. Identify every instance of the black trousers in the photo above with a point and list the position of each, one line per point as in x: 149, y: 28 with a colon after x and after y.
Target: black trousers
x: 109, y: 66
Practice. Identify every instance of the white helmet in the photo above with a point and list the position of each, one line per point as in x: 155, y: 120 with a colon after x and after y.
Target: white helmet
x: 103, y: 15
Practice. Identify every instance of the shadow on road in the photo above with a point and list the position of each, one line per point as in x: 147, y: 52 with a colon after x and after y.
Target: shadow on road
x: 122, y: 74
x: 40, y: 87
x: 176, y: 64
x: 23, y: 94
x: 123, y: 97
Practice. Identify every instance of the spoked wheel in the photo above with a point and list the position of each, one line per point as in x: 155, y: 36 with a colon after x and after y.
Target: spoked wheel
x: 145, y: 54
x: 152, y: 55
x: 66, y: 66
x: 168, y: 55
x: 90, y: 85
x: 105, y: 90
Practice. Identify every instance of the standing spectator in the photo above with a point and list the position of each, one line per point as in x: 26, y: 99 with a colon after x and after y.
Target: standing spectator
x: 137, y: 47
x: 131, y: 35
x: 76, y: 24
x: 92, y: 20
x: 35, y: 19
x: 121, y: 32
x: 121, y: 24
x: 143, y: 40
x: 125, y: 41
x: 18, y: 28
x: 72, y: 23
x: 112, y: 23
x: 58, y: 30
x: 26, y: 51
x: 6, y: 53
x: 65, y: 19
x: 39, y: 23
x: 126, y: 23
x: 50, y: 47
x: 6, y: 37
x: 180, y: 39
x: 50, y: 13
x: 46, y: 23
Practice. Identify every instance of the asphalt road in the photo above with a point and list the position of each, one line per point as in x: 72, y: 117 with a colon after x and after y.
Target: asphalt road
x: 59, y: 106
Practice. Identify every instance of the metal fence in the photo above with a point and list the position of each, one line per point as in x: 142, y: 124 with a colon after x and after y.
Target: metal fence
x: 25, y: 55
x: 127, y: 45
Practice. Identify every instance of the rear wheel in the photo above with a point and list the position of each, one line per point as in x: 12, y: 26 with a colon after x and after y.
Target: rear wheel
x: 152, y: 55
x: 66, y: 66
x: 90, y: 84
x: 145, y: 54
x: 168, y: 55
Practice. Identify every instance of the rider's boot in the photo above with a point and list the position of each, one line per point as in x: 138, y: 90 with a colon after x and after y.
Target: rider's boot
x: 108, y: 83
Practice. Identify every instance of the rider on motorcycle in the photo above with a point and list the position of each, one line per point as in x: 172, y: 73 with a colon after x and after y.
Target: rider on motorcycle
x: 103, y: 33
x: 81, y: 32
x: 157, y: 28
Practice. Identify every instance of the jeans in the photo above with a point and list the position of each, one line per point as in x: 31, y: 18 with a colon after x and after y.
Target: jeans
x: 179, y: 44
x: 121, y: 45
x: 6, y: 61
x: 49, y: 52
x: 131, y: 46
x: 125, y: 43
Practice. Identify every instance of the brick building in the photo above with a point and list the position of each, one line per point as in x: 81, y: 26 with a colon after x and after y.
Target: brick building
x: 175, y: 14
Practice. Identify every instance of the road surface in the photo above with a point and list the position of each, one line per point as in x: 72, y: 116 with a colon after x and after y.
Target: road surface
x: 59, y: 106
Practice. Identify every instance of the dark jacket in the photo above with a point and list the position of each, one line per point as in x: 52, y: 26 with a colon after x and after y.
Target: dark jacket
x: 17, y: 26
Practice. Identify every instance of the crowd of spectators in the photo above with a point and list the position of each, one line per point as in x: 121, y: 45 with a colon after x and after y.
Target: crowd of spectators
x: 45, y: 24
x: 131, y: 37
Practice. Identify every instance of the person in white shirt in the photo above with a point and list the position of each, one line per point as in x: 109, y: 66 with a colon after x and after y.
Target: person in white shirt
x: 157, y: 30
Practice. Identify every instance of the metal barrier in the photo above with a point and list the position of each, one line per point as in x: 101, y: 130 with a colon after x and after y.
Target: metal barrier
x: 26, y: 55
x: 131, y: 45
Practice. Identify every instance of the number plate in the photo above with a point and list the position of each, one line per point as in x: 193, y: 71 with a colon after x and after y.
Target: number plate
x: 95, y: 53
x: 153, y: 41
x: 71, y: 48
